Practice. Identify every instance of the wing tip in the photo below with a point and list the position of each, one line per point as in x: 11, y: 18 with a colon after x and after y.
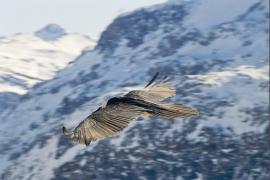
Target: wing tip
x: 152, y: 80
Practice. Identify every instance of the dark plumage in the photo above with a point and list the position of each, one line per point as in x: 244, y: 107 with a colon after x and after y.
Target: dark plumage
x: 120, y: 111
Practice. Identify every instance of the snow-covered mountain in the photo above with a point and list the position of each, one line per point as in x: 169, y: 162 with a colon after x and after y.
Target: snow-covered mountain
x: 28, y: 59
x: 51, y: 32
x: 45, y: 57
x: 216, y: 54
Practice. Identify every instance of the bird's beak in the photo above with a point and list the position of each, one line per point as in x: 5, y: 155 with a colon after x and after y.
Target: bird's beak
x: 65, y: 131
x: 71, y: 135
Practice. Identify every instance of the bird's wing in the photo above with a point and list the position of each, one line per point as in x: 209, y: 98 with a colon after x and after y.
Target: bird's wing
x: 154, y: 93
x: 107, y: 121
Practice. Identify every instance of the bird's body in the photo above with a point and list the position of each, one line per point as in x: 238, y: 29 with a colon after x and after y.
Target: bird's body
x: 118, y: 112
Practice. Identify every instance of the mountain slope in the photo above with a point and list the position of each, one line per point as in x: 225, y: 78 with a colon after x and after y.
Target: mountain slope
x: 45, y: 58
x: 26, y: 59
x: 217, y: 65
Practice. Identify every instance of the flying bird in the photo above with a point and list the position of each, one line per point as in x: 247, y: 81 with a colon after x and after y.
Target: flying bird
x: 118, y: 112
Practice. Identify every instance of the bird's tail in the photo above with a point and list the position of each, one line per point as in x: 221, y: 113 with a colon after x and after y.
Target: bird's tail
x: 172, y: 111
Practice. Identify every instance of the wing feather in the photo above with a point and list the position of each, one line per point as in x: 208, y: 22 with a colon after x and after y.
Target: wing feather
x: 154, y: 93
x: 107, y: 121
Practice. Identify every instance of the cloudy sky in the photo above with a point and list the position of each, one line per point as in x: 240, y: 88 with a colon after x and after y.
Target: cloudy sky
x: 84, y: 16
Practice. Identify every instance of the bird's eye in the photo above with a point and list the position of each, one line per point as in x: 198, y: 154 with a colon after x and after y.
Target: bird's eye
x: 76, y: 137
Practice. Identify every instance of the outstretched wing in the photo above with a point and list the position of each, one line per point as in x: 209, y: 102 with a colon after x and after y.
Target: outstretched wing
x: 154, y: 92
x: 107, y: 121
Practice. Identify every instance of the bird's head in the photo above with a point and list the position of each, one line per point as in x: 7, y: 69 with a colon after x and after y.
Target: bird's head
x: 72, y: 135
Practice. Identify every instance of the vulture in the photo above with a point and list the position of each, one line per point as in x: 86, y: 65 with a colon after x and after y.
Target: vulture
x: 118, y: 112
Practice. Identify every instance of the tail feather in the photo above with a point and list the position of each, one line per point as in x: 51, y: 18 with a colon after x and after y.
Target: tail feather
x: 172, y: 111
